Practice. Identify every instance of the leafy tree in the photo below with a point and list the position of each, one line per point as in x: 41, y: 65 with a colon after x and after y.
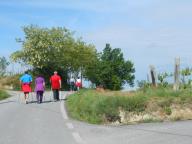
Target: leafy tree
x: 111, y: 70
x: 52, y: 49
x: 3, y: 66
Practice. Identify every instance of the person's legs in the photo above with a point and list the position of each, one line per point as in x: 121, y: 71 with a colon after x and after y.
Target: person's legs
x: 54, y: 94
x: 57, y: 94
x: 41, y: 96
x: 73, y: 86
x: 38, y: 96
x: 26, y: 97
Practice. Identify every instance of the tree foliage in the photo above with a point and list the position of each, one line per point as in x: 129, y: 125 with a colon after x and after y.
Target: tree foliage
x: 111, y: 70
x: 3, y: 66
x: 49, y: 49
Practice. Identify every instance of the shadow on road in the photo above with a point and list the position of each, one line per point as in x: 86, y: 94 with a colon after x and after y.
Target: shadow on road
x: 5, y: 102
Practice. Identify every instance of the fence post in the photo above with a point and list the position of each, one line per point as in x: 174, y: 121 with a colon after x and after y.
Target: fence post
x: 153, y: 75
x: 176, y: 74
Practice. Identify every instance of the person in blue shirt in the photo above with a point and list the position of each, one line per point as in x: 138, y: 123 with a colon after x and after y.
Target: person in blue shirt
x: 26, y: 81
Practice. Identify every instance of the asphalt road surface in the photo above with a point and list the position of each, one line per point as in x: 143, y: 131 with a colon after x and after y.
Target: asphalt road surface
x: 48, y: 123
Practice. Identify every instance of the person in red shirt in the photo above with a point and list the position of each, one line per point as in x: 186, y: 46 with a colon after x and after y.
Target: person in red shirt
x: 55, y: 81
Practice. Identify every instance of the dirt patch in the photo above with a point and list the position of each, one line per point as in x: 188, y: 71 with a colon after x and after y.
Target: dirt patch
x: 178, y: 112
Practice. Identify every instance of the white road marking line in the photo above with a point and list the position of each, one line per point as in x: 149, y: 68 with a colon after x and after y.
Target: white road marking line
x: 64, y: 114
x: 70, y: 126
x: 76, y: 135
x: 78, y: 138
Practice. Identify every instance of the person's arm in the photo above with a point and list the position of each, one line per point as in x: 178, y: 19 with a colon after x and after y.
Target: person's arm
x: 50, y: 80
x: 30, y: 79
x: 60, y: 83
x: 43, y: 82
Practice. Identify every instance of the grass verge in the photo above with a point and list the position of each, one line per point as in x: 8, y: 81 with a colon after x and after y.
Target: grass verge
x: 126, y: 107
x: 96, y: 107
x: 3, y: 95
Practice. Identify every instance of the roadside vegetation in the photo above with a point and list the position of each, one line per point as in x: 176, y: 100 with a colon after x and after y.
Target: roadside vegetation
x: 3, y: 95
x: 104, y: 107
x: 10, y: 82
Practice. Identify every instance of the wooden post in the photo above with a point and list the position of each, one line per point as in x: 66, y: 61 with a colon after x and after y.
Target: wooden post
x: 176, y: 74
x: 153, y: 75
x: 148, y: 78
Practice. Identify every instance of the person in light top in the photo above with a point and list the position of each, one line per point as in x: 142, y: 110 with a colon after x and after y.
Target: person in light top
x: 78, y: 83
x: 72, y: 83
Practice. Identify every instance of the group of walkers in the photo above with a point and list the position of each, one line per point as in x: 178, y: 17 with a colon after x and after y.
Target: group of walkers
x: 75, y: 84
x: 26, y: 81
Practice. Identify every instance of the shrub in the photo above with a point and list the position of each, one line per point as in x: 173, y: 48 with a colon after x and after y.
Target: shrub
x: 3, y: 95
x: 168, y: 110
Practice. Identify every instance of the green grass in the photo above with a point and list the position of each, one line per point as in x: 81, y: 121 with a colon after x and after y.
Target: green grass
x: 96, y: 107
x: 103, y: 107
x: 3, y: 95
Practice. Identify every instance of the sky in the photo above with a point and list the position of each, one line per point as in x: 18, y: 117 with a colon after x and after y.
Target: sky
x: 149, y: 32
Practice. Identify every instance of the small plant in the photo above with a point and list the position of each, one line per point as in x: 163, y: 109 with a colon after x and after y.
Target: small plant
x: 162, y: 77
x: 166, y: 102
x: 143, y: 85
x: 185, y: 73
x: 168, y: 110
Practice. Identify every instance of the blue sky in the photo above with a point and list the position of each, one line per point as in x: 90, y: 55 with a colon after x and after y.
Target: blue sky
x: 147, y: 31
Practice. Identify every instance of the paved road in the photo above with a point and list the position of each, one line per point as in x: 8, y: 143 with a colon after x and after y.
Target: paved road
x: 48, y: 123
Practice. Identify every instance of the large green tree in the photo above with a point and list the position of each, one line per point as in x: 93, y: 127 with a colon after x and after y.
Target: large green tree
x: 111, y: 70
x: 49, y: 49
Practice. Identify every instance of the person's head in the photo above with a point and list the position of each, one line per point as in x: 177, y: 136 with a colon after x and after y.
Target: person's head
x: 26, y: 72
x: 39, y: 75
x: 55, y: 72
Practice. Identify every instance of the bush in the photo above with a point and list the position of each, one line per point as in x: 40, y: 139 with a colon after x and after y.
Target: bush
x: 3, y: 95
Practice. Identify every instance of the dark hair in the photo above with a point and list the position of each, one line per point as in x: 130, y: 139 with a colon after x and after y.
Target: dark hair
x: 39, y: 75
x: 26, y: 72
